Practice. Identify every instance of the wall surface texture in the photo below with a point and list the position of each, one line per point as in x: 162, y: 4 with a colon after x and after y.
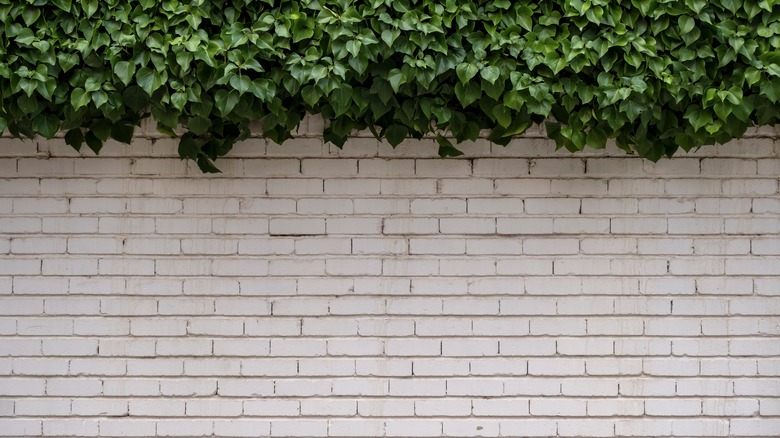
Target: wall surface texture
x: 306, y: 291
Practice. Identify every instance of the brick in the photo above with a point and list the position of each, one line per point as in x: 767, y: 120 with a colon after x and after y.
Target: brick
x: 524, y: 266
x: 636, y: 225
x: 38, y: 367
x: 527, y: 187
x: 188, y: 428
x: 530, y: 428
x: 125, y: 427
x: 156, y: 408
x: 411, y: 186
x: 263, y: 246
x: 677, y: 407
x: 581, y: 226
x: 22, y: 225
x: 349, y: 266
x: 273, y: 407
x: 117, y: 225
x: 557, y: 407
x: 467, y: 225
x: 389, y: 407
x: 103, y: 407
x: 70, y: 427
x: 552, y: 206
x: 557, y: 366
x: 325, y: 286
x: 382, y: 206
x: 134, y: 387
x: 97, y: 205
x: 265, y: 367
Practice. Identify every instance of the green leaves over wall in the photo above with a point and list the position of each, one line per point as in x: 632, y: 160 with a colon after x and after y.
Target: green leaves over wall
x: 654, y: 75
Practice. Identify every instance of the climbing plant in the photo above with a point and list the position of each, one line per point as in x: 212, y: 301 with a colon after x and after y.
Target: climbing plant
x: 654, y: 75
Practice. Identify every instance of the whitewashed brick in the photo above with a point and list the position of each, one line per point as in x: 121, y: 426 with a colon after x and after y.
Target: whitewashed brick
x: 70, y: 427
x: 115, y: 225
x: 467, y: 225
x: 409, y: 186
x: 33, y: 245
x: 557, y: 407
x: 461, y: 186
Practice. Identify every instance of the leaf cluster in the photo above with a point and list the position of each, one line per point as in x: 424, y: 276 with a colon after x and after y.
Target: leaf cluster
x: 654, y: 75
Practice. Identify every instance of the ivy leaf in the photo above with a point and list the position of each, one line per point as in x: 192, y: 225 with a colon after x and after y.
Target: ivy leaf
x: 149, y: 79
x: 124, y: 71
x: 65, y: 5
x: 46, y: 125
x: 395, y: 134
x: 93, y: 142
x: 178, y: 100
x: 89, y: 7
x: 396, y: 78
x: 189, y: 147
x: 241, y: 83
x: 67, y: 60
x: 722, y: 110
x: 311, y: 95
x: 135, y: 98
x: 263, y: 89
x: 466, y: 71
x: 341, y: 99
x: 686, y: 24
x: 596, y: 138
x: 490, y: 73
x: 75, y: 138
x: 697, y: 117
x: 525, y: 18
x: 226, y: 101
x: 631, y: 109
x: 79, y: 98
x: 502, y: 115
x: 467, y: 94
x: 206, y: 166
x: 446, y: 149
x: 101, y: 128
x: 122, y: 132
x: 514, y: 100
x: 30, y: 15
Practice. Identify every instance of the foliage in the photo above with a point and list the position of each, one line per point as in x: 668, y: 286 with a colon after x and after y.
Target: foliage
x: 655, y: 75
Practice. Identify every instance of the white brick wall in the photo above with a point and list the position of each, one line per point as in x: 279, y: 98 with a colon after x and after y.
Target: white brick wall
x: 310, y: 291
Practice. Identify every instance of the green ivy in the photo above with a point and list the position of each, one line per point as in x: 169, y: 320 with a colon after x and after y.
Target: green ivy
x: 655, y: 75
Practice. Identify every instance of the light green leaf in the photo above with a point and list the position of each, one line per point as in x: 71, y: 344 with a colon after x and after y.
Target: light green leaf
x: 148, y: 79
x: 124, y: 70
x: 466, y: 71
x: 79, y: 98
x: 490, y: 73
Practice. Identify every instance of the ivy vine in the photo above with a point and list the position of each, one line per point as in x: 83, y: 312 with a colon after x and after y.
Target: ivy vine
x: 655, y: 75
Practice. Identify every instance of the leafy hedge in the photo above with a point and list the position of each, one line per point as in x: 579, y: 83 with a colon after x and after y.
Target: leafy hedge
x: 655, y: 75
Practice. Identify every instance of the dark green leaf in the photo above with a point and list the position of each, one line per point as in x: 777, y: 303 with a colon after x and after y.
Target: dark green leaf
x: 189, y: 147
x: 395, y: 134
x: 46, y: 125
x: 74, y: 138
x: 122, y: 132
x: 135, y: 98
x: 226, y: 101
x: 93, y: 142
x: 149, y: 79
x: 446, y: 149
